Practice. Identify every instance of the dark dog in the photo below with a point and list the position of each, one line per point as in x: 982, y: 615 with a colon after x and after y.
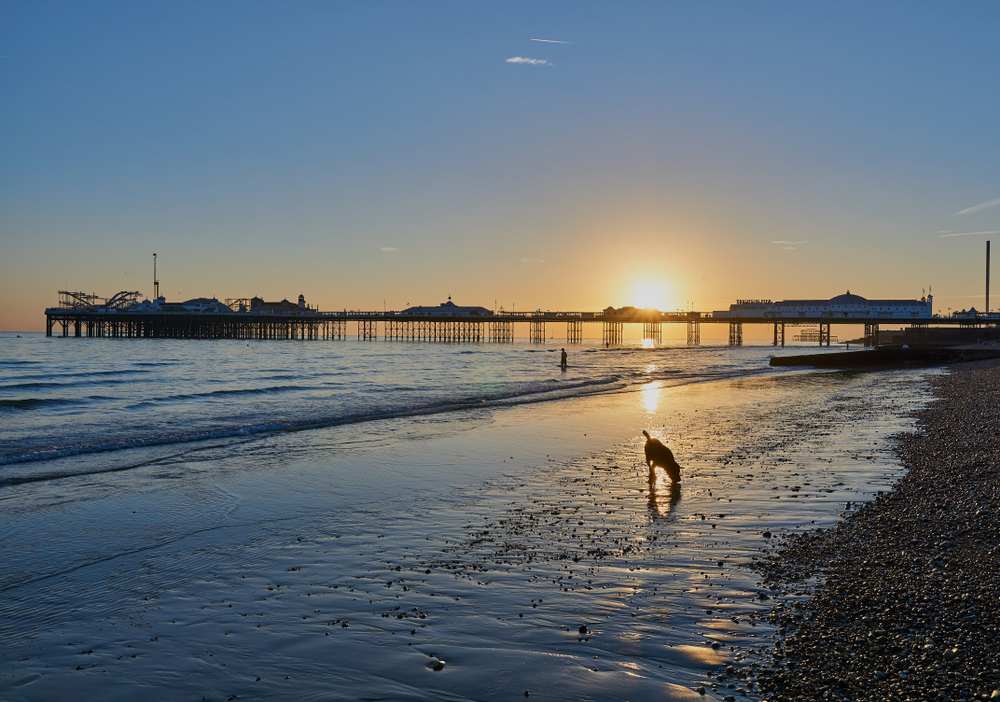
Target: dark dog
x: 659, y: 455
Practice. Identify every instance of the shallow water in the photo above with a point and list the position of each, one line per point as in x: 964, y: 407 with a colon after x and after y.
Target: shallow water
x: 76, y: 397
x: 334, y: 563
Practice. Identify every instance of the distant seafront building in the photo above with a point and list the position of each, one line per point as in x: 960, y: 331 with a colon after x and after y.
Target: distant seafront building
x: 446, y: 309
x: 211, y: 305
x: 260, y: 306
x: 846, y: 306
x: 202, y: 305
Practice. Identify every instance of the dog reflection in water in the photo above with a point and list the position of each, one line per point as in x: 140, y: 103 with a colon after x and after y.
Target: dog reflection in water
x: 662, y: 497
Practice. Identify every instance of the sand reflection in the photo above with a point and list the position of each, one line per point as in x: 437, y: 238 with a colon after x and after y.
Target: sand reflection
x: 663, y: 497
x: 702, y: 655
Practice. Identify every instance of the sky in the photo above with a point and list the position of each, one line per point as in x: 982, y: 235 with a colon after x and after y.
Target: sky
x: 525, y: 155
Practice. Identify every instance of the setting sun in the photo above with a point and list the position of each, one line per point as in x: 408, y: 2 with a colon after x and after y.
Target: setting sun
x: 652, y: 294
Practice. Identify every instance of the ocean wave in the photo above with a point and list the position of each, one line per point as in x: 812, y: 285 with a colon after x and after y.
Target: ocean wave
x: 526, y: 394
x: 30, y: 403
x: 78, y: 374
x: 234, y: 392
x: 41, y: 384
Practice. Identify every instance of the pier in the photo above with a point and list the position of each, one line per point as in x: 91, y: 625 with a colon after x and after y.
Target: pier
x: 124, y: 316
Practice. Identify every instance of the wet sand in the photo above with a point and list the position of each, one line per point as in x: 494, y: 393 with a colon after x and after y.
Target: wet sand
x: 908, y: 601
x: 488, y: 556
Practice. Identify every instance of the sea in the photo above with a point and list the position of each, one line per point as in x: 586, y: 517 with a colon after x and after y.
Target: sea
x: 63, y: 398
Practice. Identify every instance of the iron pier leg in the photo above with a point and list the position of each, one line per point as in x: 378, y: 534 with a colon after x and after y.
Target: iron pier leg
x: 694, y: 332
x: 574, y: 332
x: 537, y: 332
x: 736, y: 333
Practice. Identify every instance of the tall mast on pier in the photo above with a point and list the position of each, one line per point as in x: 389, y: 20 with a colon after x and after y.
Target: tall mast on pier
x: 156, y: 283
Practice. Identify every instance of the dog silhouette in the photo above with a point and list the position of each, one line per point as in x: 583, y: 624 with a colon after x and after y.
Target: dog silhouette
x: 659, y: 455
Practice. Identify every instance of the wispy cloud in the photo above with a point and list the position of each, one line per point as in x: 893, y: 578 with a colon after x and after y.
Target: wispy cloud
x: 549, y: 41
x: 532, y: 260
x: 985, y: 232
x: 528, y: 61
x: 388, y: 249
x: 789, y: 245
x: 980, y: 207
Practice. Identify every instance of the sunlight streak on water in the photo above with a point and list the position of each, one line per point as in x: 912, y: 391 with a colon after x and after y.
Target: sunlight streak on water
x: 650, y: 396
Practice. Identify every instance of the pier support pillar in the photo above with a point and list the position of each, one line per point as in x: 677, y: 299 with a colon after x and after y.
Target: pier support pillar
x: 870, y: 334
x: 694, y: 332
x: 736, y: 333
x: 502, y: 331
x: 536, y: 332
x: 612, y: 333
x: 367, y: 330
x: 574, y: 331
x: 779, y: 334
x: 824, y: 333
x: 48, y: 326
x: 652, y: 331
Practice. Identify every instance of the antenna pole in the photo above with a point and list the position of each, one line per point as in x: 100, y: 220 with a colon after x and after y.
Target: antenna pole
x: 987, y: 276
x: 156, y: 283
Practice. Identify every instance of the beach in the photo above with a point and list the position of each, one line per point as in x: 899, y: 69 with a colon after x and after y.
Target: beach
x: 335, y: 338
x: 906, y: 605
x: 470, y: 553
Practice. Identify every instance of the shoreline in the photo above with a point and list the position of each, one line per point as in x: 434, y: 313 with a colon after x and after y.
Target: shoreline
x: 899, y: 600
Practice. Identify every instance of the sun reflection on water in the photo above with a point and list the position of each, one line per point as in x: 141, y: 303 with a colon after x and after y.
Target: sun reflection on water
x: 650, y: 396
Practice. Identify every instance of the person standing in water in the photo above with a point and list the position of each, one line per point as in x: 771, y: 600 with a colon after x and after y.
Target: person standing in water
x: 562, y: 360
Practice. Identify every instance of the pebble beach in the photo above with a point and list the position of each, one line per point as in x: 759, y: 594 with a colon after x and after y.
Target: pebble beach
x: 899, y: 601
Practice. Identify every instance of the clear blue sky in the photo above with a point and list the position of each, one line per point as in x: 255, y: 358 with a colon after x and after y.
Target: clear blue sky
x: 361, y: 152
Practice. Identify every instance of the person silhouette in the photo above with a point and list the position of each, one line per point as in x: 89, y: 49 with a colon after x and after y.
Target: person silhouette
x: 562, y: 360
